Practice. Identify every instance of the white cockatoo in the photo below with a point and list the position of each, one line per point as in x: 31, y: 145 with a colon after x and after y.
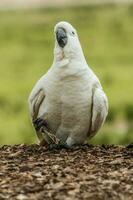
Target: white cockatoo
x: 67, y: 105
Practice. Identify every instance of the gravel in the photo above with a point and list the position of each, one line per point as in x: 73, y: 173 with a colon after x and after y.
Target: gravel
x: 32, y: 172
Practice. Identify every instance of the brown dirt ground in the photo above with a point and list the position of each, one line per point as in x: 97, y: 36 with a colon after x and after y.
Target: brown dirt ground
x: 91, y: 172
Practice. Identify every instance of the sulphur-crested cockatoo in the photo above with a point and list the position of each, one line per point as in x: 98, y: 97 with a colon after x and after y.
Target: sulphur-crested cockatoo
x: 67, y: 105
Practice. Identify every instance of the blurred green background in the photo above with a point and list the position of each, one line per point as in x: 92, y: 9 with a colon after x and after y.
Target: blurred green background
x: 26, y: 53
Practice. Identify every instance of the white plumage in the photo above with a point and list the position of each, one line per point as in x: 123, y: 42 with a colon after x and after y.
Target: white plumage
x: 69, y: 97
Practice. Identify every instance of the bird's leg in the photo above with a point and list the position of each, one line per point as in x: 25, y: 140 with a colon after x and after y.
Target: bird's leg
x: 42, y: 126
x: 52, y: 141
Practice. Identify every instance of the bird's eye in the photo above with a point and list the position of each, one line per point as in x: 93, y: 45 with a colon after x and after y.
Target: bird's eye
x: 73, y: 33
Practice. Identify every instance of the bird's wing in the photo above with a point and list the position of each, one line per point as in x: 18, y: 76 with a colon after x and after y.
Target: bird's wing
x: 35, y: 100
x: 99, y: 111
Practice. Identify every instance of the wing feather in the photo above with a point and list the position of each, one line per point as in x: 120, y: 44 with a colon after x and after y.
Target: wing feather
x: 99, y: 111
x: 36, y: 103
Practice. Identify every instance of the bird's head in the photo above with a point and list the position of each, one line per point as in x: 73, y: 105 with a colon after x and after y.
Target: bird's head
x: 66, y: 40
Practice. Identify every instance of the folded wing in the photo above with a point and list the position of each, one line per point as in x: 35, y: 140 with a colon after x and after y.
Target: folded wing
x: 99, y: 111
x: 35, y: 103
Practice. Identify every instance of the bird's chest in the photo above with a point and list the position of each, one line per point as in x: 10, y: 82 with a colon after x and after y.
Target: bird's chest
x: 66, y: 93
x: 67, y: 99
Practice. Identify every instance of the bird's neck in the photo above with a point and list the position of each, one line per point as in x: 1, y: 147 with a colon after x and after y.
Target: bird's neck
x: 64, y: 56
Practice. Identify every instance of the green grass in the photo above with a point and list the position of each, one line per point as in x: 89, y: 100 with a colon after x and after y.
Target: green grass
x: 26, y: 52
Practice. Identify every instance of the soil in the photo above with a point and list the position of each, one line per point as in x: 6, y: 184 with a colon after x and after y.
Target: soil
x: 32, y: 172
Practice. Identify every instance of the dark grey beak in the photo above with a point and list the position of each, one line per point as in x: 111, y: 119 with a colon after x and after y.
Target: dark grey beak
x: 61, y: 37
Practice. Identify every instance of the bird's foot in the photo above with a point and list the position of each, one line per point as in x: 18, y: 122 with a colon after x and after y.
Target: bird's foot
x: 39, y: 124
x: 59, y: 146
x: 52, y: 138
